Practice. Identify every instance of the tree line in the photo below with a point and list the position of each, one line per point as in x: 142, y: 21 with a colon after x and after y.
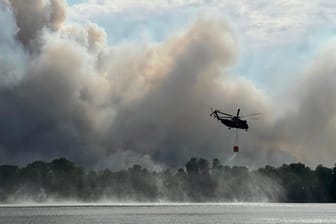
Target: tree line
x: 198, y: 181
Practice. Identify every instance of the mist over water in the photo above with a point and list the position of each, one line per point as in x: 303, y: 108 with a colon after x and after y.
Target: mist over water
x: 231, y: 158
x: 199, y: 181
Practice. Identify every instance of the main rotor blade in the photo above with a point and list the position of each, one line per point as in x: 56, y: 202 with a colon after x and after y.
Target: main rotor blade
x: 252, y: 118
x: 250, y: 115
x: 230, y: 115
x: 226, y: 116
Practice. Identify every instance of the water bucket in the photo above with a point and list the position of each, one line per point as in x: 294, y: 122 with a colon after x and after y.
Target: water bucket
x: 235, y: 148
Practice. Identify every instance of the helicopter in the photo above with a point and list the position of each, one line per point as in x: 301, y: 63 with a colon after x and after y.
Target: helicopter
x: 232, y: 121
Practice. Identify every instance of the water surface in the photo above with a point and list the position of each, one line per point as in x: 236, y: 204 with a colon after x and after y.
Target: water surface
x: 168, y: 213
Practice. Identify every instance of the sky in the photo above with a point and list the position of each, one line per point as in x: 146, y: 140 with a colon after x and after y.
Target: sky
x: 113, y: 83
x: 268, y: 31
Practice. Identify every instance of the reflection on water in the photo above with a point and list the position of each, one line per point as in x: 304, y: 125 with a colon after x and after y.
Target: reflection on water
x: 169, y: 213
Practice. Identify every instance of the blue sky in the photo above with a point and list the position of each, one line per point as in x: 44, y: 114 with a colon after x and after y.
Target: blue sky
x: 73, y: 2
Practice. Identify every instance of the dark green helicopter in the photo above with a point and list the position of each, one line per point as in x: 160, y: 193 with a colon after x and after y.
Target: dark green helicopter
x: 232, y: 121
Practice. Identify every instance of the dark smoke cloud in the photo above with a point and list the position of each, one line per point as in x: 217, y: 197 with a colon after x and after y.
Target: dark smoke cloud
x: 75, y: 96
x: 33, y: 15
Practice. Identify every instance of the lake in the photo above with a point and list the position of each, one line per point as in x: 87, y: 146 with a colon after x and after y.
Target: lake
x: 167, y: 213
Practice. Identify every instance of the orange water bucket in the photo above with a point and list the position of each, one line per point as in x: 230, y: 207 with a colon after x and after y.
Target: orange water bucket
x: 235, y: 148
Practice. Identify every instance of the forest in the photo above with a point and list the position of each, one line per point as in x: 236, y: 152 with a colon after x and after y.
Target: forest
x: 199, y: 181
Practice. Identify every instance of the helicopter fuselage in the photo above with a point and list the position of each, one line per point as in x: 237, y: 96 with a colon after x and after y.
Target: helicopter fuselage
x: 235, y: 123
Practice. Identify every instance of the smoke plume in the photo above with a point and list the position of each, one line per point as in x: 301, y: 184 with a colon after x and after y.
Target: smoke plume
x: 64, y: 91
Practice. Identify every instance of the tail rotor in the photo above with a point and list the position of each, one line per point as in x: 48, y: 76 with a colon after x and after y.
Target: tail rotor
x: 214, y: 113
